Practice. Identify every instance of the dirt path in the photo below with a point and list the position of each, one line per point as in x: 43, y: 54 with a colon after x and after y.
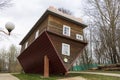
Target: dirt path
x: 73, y: 78
x: 7, y: 76
x: 106, y: 74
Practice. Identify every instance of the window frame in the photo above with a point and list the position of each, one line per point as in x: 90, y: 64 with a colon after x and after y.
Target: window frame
x: 64, y: 49
x: 79, y: 36
x: 64, y: 29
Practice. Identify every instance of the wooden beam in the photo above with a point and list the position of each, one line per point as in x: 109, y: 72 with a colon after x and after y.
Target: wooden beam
x: 66, y: 73
x: 46, y: 66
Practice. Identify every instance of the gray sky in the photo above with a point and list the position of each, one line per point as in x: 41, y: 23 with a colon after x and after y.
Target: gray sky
x: 25, y: 13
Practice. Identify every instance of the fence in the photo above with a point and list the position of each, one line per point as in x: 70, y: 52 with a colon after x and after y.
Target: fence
x: 83, y: 67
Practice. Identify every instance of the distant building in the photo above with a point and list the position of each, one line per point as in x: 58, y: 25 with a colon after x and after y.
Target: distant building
x: 57, y: 35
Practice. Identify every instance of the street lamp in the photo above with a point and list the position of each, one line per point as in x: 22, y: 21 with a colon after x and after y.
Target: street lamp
x: 9, y: 26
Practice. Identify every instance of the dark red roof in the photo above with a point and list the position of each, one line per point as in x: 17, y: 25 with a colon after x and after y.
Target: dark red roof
x: 32, y: 59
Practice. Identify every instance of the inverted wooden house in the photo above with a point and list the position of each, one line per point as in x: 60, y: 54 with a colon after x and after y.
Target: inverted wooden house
x: 56, y: 35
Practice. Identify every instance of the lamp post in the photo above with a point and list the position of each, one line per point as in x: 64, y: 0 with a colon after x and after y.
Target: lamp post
x: 9, y: 26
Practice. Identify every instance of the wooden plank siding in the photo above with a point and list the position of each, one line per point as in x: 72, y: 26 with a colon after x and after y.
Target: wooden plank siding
x: 42, y: 27
x: 75, y: 48
x: 55, y: 25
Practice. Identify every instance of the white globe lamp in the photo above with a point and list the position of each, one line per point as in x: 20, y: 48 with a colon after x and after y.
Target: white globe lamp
x: 9, y: 26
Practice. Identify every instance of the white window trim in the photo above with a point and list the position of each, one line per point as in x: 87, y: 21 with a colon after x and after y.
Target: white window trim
x: 79, y: 36
x: 26, y: 45
x: 36, y: 34
x: 65, y: 26
x: 63, y: 49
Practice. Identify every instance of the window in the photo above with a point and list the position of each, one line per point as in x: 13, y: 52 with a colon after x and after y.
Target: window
x: 26, y: 45
x: 66, y: 30
x: 37, y: 34
x: 65, y: 49
x: 79, y: 37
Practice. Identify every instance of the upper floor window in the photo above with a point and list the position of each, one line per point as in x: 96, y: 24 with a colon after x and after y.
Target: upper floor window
x: 65, y: 49
x: 37, y: 34
x: 79, y: 37
x: 26, y: 45
x: 66, y: 30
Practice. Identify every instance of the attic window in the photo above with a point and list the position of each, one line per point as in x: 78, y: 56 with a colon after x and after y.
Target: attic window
x: 37, y: 34
x: 26, y: 45
x: 79, y: 37
x: 66, y: 30
x: 65, y: 49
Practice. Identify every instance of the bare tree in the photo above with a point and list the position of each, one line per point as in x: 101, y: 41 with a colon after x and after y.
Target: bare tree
x: 66, y: 11
x: 13, y: 62
x: 4, y: 3
x: 105, y: 15
x: 8, y: 59
x: 3, y: 64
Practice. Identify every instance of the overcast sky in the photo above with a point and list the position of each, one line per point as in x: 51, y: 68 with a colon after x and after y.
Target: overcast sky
x: 25, y: 13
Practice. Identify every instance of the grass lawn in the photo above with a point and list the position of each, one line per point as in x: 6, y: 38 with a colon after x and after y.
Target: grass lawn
x: 33, y: 77
x: 87, y: 76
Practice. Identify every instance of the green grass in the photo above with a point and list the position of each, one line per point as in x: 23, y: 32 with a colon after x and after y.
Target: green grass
x: 87, y: 76
x: 33, y: 77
